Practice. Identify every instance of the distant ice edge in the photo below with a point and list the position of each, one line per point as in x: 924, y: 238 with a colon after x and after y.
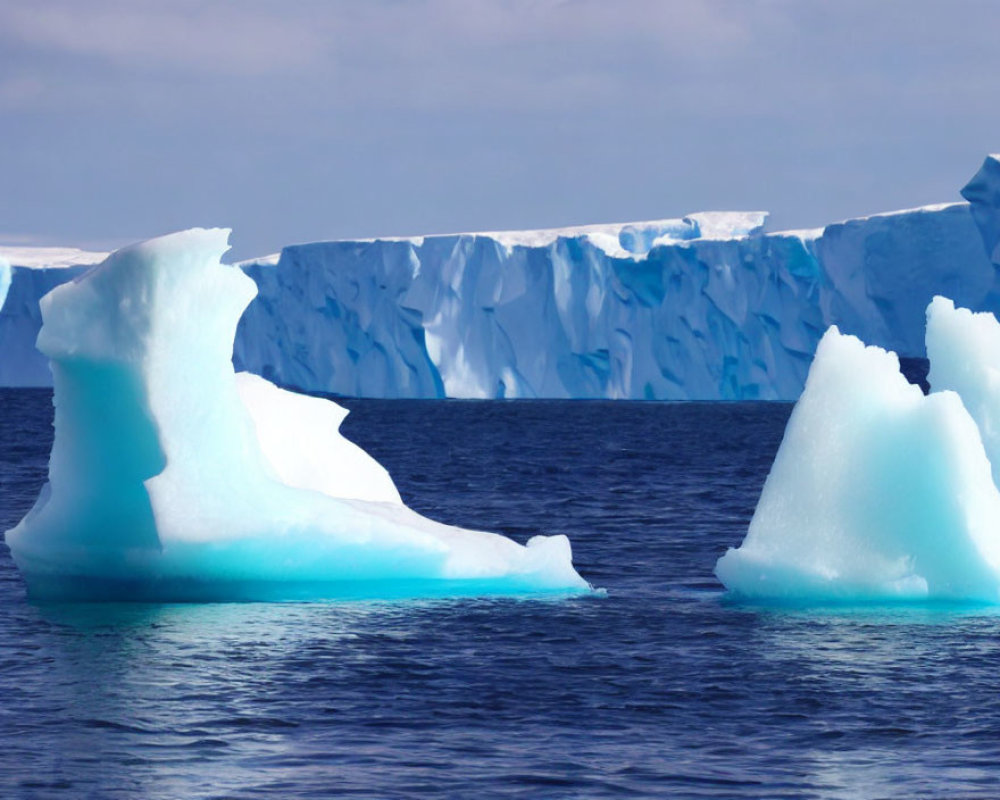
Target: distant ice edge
x: 655, y: 311
x: 710, y: 306
x: 173, y: 478
x: 878, y: 493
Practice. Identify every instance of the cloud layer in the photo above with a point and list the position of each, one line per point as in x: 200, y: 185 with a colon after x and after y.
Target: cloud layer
x: 316, y: 119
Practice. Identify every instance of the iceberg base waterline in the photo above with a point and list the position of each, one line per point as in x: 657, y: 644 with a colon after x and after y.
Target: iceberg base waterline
x: 86, y: 589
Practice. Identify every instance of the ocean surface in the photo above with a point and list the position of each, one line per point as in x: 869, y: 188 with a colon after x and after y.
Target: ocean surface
x: 658, y: 688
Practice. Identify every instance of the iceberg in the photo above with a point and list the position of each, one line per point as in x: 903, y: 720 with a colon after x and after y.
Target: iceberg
x: 877, y: 492
x: 172, y: 478
x: 964, y: 353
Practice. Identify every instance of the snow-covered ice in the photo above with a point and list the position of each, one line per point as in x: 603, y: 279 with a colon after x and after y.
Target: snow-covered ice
x: 171, y: 477
x: 708, y: 306
x: 704, y: 307
x: 32, y: 257
x: 878, y: 492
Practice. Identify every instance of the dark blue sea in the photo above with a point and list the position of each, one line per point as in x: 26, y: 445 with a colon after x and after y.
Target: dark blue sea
x: 659, y: 688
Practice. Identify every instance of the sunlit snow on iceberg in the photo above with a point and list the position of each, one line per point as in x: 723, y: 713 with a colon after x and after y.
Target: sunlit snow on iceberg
x: 173, y: 478
x: 877, y: 492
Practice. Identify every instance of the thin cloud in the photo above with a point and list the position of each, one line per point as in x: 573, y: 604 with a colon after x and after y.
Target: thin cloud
x: 183, y: 35
x: 309, y: 119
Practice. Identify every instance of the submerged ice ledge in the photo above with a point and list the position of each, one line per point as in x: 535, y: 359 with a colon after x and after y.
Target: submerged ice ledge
x: 172, y: 477
x: 879, y: 493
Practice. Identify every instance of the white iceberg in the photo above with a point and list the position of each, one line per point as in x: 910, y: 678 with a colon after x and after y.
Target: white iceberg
x: 171, y: 477
x: 964, y: 352
x: 877, y: 492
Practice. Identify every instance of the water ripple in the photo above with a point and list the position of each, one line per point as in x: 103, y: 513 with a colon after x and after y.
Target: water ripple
x: 658, y: 689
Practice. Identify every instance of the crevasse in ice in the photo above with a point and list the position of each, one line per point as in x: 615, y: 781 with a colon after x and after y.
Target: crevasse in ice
x: 172, y: 477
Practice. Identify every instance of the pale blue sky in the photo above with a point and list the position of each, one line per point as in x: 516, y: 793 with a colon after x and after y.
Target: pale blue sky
x: 315, y: 119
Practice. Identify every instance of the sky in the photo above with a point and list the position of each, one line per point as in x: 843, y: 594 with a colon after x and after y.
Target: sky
x: 305, y: 120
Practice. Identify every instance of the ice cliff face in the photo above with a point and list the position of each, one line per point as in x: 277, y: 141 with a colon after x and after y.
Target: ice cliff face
x: 26, y: 275
x: 983, y: 192
x: 709, y: 306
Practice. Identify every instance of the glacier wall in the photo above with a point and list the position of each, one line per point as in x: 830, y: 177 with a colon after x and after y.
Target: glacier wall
x: 20, y: 321
x: 649, y: 310
x: 706, y: 307
x: 983, y: 193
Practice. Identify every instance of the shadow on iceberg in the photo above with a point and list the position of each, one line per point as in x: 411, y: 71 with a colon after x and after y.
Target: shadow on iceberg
x: 173, y: 478
x: 879, y: 494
